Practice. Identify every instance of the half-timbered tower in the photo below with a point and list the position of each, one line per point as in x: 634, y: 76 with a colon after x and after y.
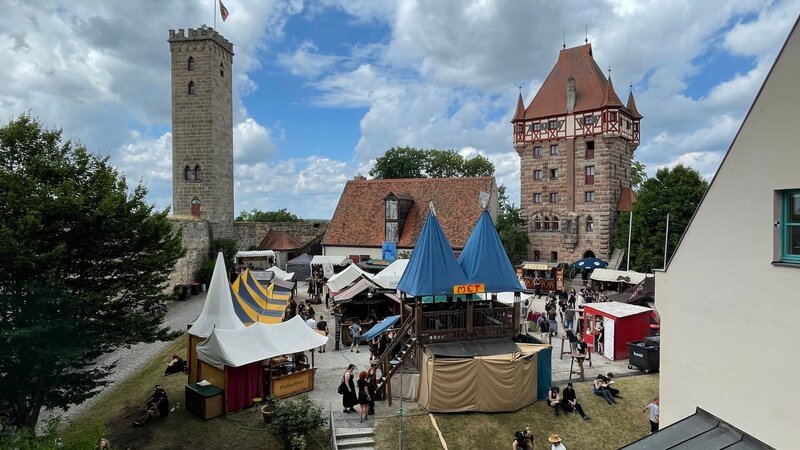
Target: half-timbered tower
x: 575, y: 141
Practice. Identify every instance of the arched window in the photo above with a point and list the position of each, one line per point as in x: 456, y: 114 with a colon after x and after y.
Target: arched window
x: 187, y: 172
x: 221, y: 70
x: 537, y: 223
x: 589, y: 223
x: 197, y: 172
x: 191, y: 88
x: 190, y: 64
x: 555, y: 223
x: 546, y: 223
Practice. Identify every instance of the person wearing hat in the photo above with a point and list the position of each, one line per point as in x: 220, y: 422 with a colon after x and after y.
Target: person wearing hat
x: 556, y: 441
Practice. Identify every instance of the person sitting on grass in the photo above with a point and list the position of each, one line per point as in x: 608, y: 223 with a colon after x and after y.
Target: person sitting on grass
x: 609, y: 380
x: 599, y: 388
x: 523, y: 440
x: 176, y: 365
x: 569, y: 402
x: 554, y: 399
x: 155, y: 406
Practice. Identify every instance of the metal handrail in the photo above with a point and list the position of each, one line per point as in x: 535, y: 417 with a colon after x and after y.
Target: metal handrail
x: 334, y: 444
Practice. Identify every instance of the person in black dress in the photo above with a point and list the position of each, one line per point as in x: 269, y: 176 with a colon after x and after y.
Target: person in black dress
x: 349, y: 399
x: 363, y: 395
x: 372, y: 389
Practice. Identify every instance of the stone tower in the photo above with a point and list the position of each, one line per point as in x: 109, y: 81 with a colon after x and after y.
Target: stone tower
x: 575, y: 141
x: 202, y: 127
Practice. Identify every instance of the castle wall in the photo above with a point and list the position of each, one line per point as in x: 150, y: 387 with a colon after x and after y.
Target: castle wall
x: 249, y: 234
x: 196, y: 240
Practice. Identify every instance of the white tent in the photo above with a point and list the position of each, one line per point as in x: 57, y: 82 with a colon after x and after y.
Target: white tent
x: 345, y: 278
x: 255, y: 254
x: 218, y: 310
x: 615, y: 276
x: 390, y: 276
x: 258, y: 342
x: 508, y: 297
x: 328, y: 262
x: 281, y: 274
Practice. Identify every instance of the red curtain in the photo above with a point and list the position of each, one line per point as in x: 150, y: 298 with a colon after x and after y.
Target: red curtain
x: 243, y: 384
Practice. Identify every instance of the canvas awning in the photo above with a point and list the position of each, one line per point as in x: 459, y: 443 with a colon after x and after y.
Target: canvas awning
x: 254, y: 303
x: 255, y: 254
x: 346, y: 277
x: 281, y: 274
x: 300, y: 266
x: 477, y: 347
x: 539, y: 265
x: 617, y: 276
x: 348, y: 294
x: 380, y: 327
x: 508, y: 297
x: 327, y: 263
x: 258, y: 342
x: 390, y: 276
x: 218, y: 312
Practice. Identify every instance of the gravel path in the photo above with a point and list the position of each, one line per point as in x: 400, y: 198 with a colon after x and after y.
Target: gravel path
x: 132, y: 359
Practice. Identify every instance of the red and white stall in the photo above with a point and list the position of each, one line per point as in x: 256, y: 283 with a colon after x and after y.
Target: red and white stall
x: 622, y: 323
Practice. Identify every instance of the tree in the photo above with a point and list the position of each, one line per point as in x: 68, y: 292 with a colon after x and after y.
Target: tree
x: 410, y: 162
x: 677, y: 191
x: 82, y: 258
x: 638, y: 175
x: 280, y: 215
x: 511, y: 227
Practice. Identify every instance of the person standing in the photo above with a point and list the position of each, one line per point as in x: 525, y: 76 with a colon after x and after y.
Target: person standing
x: 311, y: 323
x: 355, y: 330
x: 322, y: 327
x: 363, y: 395
x: 569, y: 317
x: 349, y: 399
x: 556, y: 441
x: 372, y: 388
x: 569, y: 402
x: 652, y: 410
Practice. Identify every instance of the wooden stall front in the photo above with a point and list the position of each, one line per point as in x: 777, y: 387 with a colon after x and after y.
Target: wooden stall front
x: 286, y: 378
x: 550, y: 275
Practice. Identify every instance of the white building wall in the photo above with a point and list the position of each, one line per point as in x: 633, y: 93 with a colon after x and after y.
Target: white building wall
x: 729, y: 316
x: 374, y: 253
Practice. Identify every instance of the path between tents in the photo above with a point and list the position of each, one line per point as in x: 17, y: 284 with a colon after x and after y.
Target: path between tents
x: 131, y: 360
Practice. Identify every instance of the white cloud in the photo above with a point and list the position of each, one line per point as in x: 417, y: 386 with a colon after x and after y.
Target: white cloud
x: 252, y: 142
x: 306, y: 61
x: 705, y: 162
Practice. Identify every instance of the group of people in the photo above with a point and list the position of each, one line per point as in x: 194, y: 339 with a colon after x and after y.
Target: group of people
x: 305, y: 311
x: 566, y: 401
x: 157, y: 405
x: 523, y: 440
x: 602, y: 386
x: 362, y: 392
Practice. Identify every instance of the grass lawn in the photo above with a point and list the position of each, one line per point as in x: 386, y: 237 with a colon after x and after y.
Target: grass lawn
x: 610, y: 428
x: 111, y: 418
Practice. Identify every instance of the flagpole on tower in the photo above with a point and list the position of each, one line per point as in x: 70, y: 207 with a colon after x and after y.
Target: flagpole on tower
x: 215, y: 14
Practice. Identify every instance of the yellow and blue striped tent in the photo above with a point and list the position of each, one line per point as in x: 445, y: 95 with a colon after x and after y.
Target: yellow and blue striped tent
x: 254, y: 303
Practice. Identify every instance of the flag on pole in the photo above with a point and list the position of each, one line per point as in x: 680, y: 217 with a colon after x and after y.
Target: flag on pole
x: 223, y: 11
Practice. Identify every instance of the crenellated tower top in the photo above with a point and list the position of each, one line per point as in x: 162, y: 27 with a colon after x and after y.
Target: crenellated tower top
x: 199, y: 34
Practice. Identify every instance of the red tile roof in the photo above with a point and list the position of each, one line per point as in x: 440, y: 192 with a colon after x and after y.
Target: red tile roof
x: 359, y: 217
x: 520, y: 109
x: 591, y: 86
x: 632, y: 107
x: 279, y: 240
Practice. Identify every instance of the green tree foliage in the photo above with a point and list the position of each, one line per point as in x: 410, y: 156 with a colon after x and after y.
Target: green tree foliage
x: 410, y: 162
x: 292, y: 420
x: 81, y: 259
x: 511, y: 227
x: 228, y: 249
x: 638, y: 175
x: 280, y: 215
x: 677, y: 191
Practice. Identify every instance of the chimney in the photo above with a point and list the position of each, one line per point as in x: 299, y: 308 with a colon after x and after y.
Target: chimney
x: 570, y: 94
x: 359, y: 177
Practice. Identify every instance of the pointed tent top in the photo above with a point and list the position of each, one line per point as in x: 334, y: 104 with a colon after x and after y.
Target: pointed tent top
x: 520, y: 114
x: 632, y: 106
x: 432, y: 269
x: 610, y: 97
x: 218, y: 309
x: 484, y: 260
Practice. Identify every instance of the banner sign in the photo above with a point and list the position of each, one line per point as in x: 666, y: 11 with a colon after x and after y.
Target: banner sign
x: 469, y: 288
x: 389, y: 251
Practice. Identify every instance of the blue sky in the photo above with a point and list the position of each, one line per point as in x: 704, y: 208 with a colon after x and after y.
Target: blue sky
x: 323, y: 88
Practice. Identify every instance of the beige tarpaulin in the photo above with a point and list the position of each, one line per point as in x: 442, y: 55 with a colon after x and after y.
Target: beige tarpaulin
x: 483, y: 383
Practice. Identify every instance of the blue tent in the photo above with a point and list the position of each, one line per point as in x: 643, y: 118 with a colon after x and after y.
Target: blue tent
x: 380, y: 327
x: 433, y: 269
x: 484, y: 260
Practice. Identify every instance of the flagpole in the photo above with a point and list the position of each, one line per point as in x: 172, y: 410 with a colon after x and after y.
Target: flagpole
x: 215, y: 14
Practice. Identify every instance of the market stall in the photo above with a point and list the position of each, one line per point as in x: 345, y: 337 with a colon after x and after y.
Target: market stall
x: 256, y: 259
x: 252, y: 302
x: 550, y: 276
x: 364, y: 303
x: 621, y: 323
x: 615, y: 280
x: 340, y: 281
x: 390, y: 276
x: 330, y: 264
x: 260, y: 360
x: 300, y: 266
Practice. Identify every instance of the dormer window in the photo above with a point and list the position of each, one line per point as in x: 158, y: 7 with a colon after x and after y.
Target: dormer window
x: 392, y: 232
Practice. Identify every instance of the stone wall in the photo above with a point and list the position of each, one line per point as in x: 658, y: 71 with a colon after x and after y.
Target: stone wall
x: 197, y: 242
x: 249, y: 234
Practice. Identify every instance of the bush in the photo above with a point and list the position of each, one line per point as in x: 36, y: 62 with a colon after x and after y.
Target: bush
x: 205, y: 271
x: 293, y: 420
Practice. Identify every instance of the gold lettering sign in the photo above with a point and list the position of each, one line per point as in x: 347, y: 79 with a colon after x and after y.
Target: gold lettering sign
x: 469, y: 288
x: 531, y: 266
x: 294, y: 383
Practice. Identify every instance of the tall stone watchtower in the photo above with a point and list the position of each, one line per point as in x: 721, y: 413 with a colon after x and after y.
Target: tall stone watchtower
x: 202, y: 127
x: 575, y: 142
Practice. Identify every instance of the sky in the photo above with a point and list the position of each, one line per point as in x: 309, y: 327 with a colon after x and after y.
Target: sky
x: 322, y: 88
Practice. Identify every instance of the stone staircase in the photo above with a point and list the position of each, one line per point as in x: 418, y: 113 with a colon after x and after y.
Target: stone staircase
x: 616, y: 259
x: 355, y: 438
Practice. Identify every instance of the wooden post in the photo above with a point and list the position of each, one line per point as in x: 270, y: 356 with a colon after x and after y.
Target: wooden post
x: 515, y: 329
x: 470, y: 332
x: 388, y: 384
x: 418, y: 318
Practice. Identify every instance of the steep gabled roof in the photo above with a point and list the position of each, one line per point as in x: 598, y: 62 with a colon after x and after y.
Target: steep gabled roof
x: 591, y: 87
x: 279, y: 240
x: 520, y: 114
x: 626, y: 199
x: 484, y: 260
x: 359, y: 217
x: 632, y: 107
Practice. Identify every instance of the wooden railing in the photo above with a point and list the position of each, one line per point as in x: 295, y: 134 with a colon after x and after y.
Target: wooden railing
x: 493, y: 322
x: 442, y: 326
